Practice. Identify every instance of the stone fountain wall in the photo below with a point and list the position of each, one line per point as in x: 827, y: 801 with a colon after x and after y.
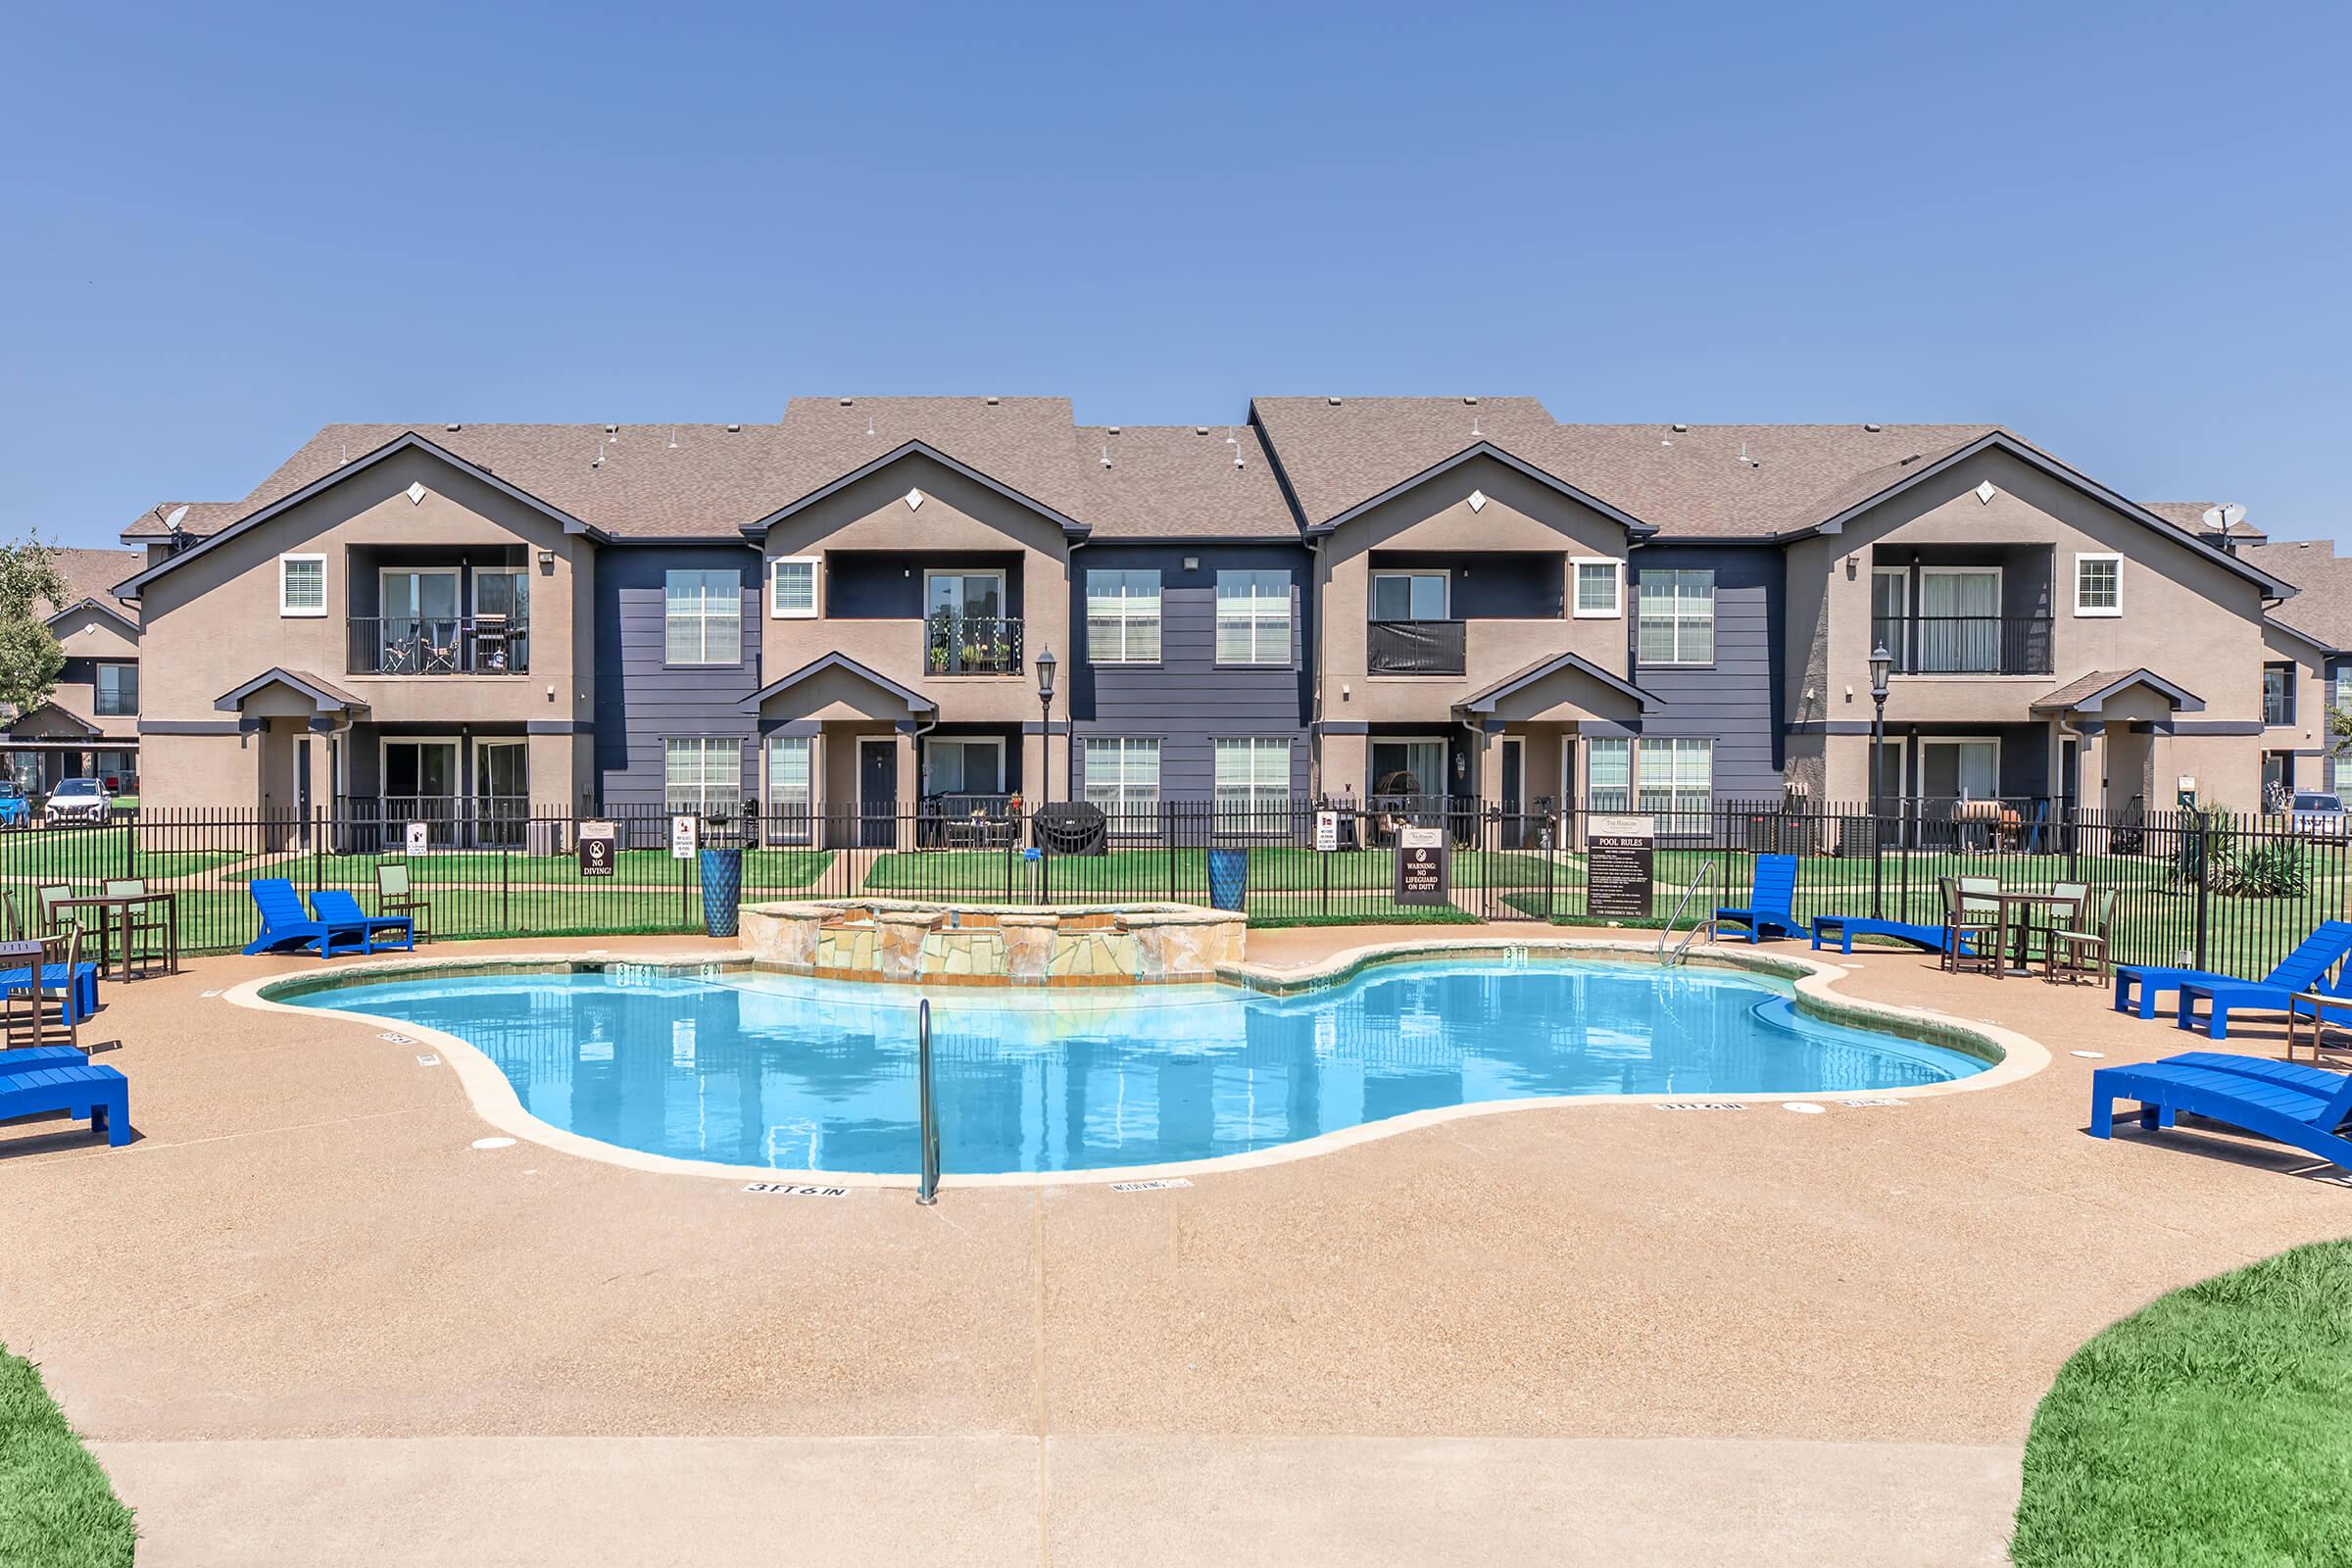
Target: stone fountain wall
x: 905, y: 941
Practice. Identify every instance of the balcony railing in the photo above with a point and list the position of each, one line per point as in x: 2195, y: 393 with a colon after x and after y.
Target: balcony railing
x: 1966, y: 645
x: 1415, y: 648
x: 438, y: 644
x: 971, y: 645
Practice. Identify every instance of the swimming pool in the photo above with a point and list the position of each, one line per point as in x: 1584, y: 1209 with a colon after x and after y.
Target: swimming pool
x: 789, y: 1073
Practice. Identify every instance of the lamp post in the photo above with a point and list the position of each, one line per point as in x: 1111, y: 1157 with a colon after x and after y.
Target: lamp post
x: 1047, y: 665
x: 1880, y: 662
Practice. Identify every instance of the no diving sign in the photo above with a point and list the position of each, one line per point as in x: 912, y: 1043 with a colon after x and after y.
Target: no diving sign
x: 597, y: 840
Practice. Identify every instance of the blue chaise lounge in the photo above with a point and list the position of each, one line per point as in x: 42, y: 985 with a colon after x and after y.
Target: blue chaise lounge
x: 2299, y: 970
x: 2291, y: 1112
x: 1768, y: 903
x: 286, y: 923
x: 339, y: 912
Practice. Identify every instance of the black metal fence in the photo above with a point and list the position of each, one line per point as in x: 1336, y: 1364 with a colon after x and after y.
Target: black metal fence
x: 2227, y: 893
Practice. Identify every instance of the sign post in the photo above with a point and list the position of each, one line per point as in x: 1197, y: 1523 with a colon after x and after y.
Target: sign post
x: 1620, y: 862
x: 1327, y: 830
x: 597, y: 841
x: 1421, y: 872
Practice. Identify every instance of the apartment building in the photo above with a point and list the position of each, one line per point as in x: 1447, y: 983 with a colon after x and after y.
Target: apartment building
x: 88, y: 728
x: 2307, y: 669
x: 843, y: 615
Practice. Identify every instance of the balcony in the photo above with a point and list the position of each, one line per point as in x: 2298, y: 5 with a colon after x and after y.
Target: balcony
x: 1415, y: 648
x: 971, y: 645
x: 437, y: 645
x: 1966, y: 645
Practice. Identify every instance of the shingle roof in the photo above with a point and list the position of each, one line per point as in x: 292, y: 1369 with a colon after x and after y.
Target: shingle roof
x: 2191, y: 516
x: 1178, y: 480
x: 2322, y: 608
x: 2087, y: 691
x: 202, y: 519
x: 93, y: 574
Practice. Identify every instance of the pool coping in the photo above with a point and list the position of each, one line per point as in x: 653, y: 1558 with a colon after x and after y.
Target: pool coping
x: 2012, y: 1056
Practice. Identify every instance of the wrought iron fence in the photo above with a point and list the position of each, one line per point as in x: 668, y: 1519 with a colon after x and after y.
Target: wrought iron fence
x: 2227, y: 893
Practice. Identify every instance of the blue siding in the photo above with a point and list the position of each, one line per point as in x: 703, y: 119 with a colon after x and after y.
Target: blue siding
x: 1187, y: 701
x: 641, y: 701
x: 1736, y: 700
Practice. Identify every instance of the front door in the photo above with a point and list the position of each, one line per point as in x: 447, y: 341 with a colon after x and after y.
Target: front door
x: 1512, y: 791
x: 877, y: 793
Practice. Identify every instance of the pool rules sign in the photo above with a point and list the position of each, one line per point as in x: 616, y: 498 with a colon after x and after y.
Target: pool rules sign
x: 1620, y: 858
x: 597, y: 841
x: 1421, y: 867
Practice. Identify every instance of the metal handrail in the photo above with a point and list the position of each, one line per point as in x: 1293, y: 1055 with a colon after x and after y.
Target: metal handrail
x: 926, y: 1191
x: 1682, y: 950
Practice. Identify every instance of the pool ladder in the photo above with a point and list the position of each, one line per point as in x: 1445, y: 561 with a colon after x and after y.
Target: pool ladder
x: 926, y: 1192
x: 1682, y: 949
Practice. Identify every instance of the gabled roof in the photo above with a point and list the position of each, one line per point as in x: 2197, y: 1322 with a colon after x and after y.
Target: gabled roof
x: 1483, y: 701
x: 2189, y: 516
x: 72, y: 720
x: 326, y: 698
x: 1069, y: 526
x: 916, y: 702
x: 2322, y: 612
x: 2087, y: 694
x: 408, y: 441
x: 89, y: 577
x: 1486, y: 449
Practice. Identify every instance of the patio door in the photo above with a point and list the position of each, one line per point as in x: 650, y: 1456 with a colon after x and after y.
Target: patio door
x: 420, y: 785
x: 501, y: 616
x: 502, y: 792
x: 420, y: 620
x: 1960, y: 621
x: 1408, y: 767
x: 1959, y: 769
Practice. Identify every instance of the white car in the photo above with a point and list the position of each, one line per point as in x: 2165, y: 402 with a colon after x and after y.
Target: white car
x: 2317, y: 814
x: 78, y: 800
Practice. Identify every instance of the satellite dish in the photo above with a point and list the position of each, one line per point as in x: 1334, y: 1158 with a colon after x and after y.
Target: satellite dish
x: 177, y: 513
x: 2224, y: 517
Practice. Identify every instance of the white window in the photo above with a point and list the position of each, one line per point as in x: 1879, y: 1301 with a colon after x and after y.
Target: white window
x: 1254, y: 618
x: 1676, y: 777
x: 1122, y: 617
x: 1123, y: 778
x: 1253, y: 786
x: 964, y: 765
x: 703, y: 617
x: 791, y: 795
x: 1410, y: 594
x: 1599, y: 589
x: 2098, y: 585
x: 1609, y: 773
x: 2343, y: 686
x: 791, y: 587
x: 704, y: 776
x: 1677, y: 617
x: 302, y: 585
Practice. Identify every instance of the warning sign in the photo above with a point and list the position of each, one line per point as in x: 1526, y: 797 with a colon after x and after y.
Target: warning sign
x: 597, y: 843
x: 1421, y: 867
x: 1620, y: 860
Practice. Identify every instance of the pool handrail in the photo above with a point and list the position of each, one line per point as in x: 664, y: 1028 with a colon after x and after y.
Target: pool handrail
x: 1682, y: 949
x: 926, y: 1192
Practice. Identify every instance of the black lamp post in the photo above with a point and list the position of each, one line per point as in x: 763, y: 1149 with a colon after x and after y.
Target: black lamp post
x: 1047, y: 665
x: 1880, y: 662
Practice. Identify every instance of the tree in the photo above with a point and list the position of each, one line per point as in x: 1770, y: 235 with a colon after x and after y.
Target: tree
x: 2339, y: 730
x: 31, y: 589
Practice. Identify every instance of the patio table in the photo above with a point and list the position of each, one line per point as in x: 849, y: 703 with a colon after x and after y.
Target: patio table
x: 125, y: 902
x: 2321, y: 1002
x: 2025, y: 903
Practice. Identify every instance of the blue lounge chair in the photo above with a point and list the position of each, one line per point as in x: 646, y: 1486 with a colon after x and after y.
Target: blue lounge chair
x: 1767, y: 908
x: 2299, y: 970
x: 2249, y: 996
x: 27, y: 1058
x: 2260, y: 1106
x: 52, y: 977
x: 286, y: 923
x: 339, y: 911
x: 1844, y: 928
x: 2317, y: 1082
x: 99, y: 1096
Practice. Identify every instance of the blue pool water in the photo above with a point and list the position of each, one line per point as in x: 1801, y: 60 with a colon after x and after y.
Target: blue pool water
x: 797, y: 1074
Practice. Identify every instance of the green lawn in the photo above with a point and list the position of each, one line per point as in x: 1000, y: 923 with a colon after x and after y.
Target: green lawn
x: 1156, y: 873
x: 95, y: 853
x: 762, y: 869
x: 2211, y: 1429
x: 56, y: 1507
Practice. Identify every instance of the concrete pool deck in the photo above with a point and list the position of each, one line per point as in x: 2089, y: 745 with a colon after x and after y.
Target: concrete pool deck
x: 303, y: 1320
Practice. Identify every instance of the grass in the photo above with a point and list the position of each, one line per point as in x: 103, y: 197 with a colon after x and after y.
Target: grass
x: 90, y: 855
x: 762, y: 869
x: 1154, y: 873
x: 2211, y: 1429
x: 56, y: 1507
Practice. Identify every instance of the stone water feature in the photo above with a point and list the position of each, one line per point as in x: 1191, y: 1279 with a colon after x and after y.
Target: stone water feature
x: 993, y: 945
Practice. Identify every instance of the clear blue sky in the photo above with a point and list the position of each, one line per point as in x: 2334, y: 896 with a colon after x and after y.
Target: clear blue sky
x: 2122, y: 231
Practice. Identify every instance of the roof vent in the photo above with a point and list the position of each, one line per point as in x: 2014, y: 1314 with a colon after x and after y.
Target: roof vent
x: 734, y: 429
x: 1106, y: 453
x: 452, y: 427
x: 1680, y: 429
x: 1199, y: 429
x: 846, y: 402
x: 612, y: 429
x: 1470, y: 401
x: 1873, y: 429
x: 1114, y: 430
x: 1334, y: 402
x: 992, y: 402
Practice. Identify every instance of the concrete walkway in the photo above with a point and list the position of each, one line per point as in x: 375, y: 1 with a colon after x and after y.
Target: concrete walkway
x: 1072, y: 1501
x: 307, y: 1321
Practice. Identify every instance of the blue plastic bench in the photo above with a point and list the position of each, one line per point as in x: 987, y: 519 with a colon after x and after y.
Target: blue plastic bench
x: 99, y: 1096
x: 24, y: 1058
x: 286, y: 923
x: 338, y: 910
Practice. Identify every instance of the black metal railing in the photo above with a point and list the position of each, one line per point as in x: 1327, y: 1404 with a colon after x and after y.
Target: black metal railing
x: 437, y: 645
x: 1415, y: 648
x: 1966, y: 645
x: 971, y: 645
x: 2230, y: 893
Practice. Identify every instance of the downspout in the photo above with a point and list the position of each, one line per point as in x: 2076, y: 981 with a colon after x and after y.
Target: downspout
x: 1074, y: 595
x: 1312, y: 653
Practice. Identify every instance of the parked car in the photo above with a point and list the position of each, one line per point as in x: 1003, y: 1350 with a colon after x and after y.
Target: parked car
x: 15, y: 810
x: 2317, y: 814
x: 78, y: 800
